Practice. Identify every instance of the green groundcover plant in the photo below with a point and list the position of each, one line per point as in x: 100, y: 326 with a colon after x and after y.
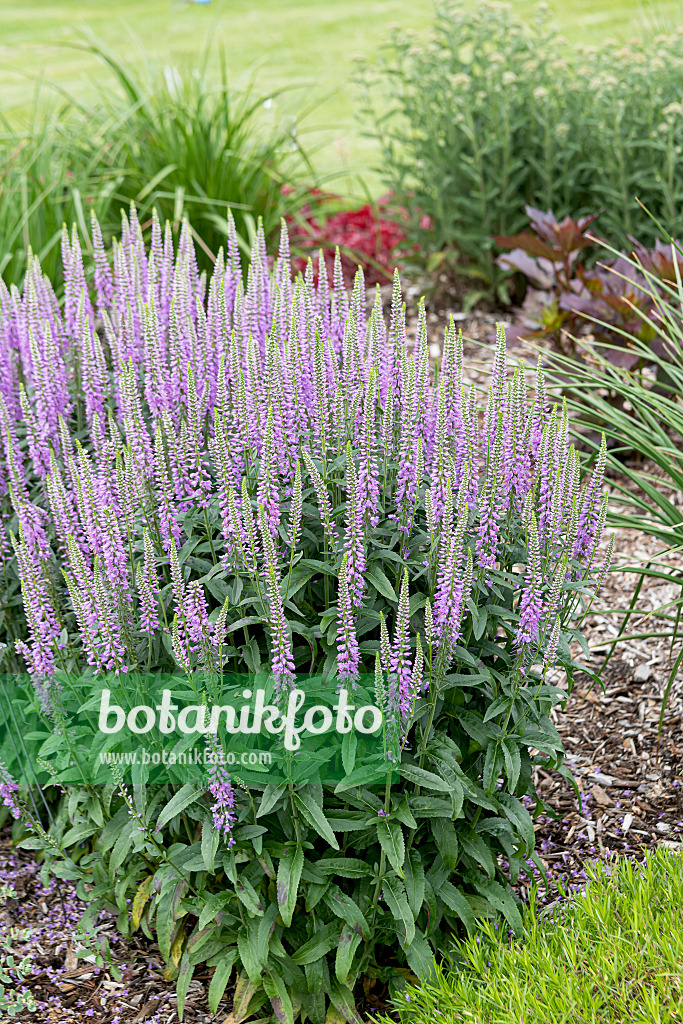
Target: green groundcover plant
x: 612, y: 953
x: 492, y: 114
x: 205, y: 481
x: 13, y: 971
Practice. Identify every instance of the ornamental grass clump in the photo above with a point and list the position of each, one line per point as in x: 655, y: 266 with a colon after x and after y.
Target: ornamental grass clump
x: 176, y: 142
x: 232, y: 486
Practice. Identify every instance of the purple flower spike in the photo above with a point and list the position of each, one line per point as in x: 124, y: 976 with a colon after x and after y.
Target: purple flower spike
x: 355, y: 539
x: 400, y: 667
x: 348, y: 654
x: 282, y: 657
x: 220, y: 787
x: 531, y: 603
x: 213, y: 451
x: 8, y: 788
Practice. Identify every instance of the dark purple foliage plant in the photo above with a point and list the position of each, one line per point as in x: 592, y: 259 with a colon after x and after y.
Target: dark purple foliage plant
x: 612, y: 300
x: 547, y: 256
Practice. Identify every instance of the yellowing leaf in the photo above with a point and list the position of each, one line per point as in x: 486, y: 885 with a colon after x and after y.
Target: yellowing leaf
x: 140, y: 899
x: 177, y: 947
x: 244, y: 990
x: 334, y: 1016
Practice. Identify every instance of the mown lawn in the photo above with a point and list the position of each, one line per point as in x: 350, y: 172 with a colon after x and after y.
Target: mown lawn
x: 306, y: 46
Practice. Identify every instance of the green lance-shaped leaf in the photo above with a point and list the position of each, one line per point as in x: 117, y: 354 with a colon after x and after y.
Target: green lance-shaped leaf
x: 446, y: 842
x: 347, y: 909
x: 456, y: 902
x: 276, y: 990
x: 220, y: 979
x: 247, y: 944
x: 210, y: 842
x: 266, y: 927
x: 516, y: 812
x: 248, y: 896
x: 326, y: 937
x: 271, y: 795
x: 189, y: 794
x: 421, y: 777
x: 414, y: 881
x: 379, y: 580
x: 165, y: 924
x: 288, y: 877
x: 477, y: 849
x: 501, y: 899
x: 346, y: 948
x: 390, y: 835
x: 343, y: 1001
x: 313, y: 814
x: 421, y: 959
x: 397, y: 901
x: 179, y: 893
x: 183, y: 983
x: 492, y: 763
x: 513, y: 761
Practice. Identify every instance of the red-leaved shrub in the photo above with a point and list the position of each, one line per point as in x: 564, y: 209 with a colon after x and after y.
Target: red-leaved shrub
x: 368, y: 237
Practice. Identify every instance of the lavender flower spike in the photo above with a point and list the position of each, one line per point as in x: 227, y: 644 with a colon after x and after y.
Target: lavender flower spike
x: 8, y: 787
x: 416, y: 685
x: 323, y: 501
x: 400, y: 669
x: 355, y: 538
x: 551, y: 647
x: 531, y: 603
x: 348, y: 653
x: 601, y: 575
x: 220, y: 788
x: 282, y: 658
x: 296, y: 509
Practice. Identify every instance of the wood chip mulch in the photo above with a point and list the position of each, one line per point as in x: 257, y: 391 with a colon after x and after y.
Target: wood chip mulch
x: 66, y: 983
x: 629, y: 775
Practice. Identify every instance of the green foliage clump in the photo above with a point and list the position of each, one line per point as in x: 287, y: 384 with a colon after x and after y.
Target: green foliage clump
x: 490, y: 114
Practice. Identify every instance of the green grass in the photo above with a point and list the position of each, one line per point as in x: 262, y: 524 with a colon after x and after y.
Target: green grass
x: 611, y: 956
x: 308, y: 46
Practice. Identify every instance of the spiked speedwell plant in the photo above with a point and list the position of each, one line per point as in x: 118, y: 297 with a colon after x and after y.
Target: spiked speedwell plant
x: 205, y: 478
